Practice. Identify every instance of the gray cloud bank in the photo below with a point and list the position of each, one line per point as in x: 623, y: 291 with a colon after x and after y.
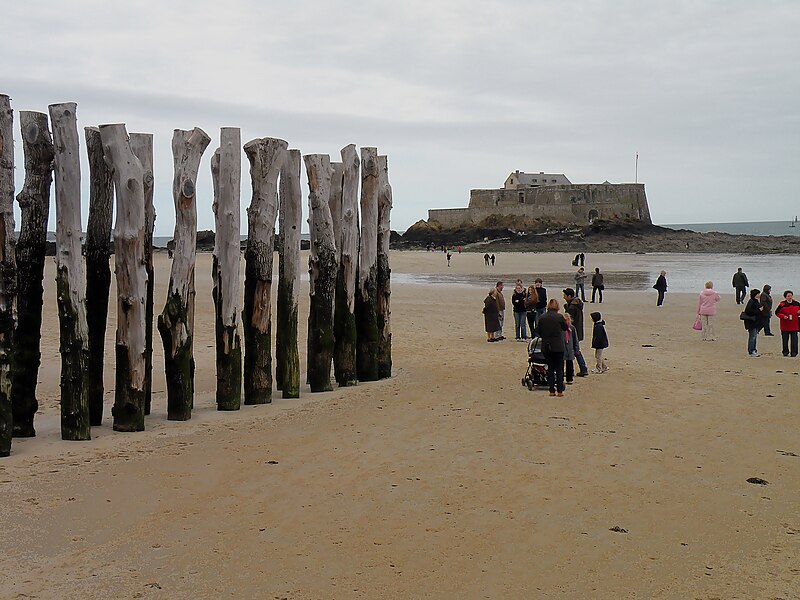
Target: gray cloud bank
x: 456, y: 93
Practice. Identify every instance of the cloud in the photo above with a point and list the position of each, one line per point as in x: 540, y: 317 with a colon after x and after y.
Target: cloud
x: 458, y: 94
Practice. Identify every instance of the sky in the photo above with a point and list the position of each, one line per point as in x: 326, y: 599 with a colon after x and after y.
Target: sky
x: 457, y: 94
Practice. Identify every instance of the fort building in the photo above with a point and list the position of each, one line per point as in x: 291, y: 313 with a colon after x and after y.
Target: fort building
x: 548, y: 197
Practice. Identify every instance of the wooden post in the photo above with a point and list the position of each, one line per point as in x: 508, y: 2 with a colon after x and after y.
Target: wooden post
x: 34, y: 203
x: 335, y: 204
x: 287, y: 358
x: 344, y: 328
x: 367, y: 292
x: 74, y: 344
x: 226, y: 167
x: 322, y: 269
x: 128, y: 410
x: 142, y: 148
x: 384, y: 272
x: 98, y: 271
x: 266, y: 156
x: 8, y: 273
x: 176, y: 322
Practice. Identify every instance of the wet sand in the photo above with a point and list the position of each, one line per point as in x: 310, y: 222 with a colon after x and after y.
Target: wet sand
x: 449, y: 480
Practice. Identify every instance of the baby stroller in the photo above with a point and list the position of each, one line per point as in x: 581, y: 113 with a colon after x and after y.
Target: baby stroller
x: 536, y: 375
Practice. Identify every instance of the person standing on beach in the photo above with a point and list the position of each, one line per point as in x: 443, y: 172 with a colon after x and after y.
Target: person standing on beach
x: 766, y: 304
x: 597, y: 284
x: 741, y: 284
x: 520, y: 318
x: 531, y: 300
x: 583, y: 258
x: 492, y: 259
x: 574, y: 307
x: 599, y: 342
x: 541, y: 291
x: 486, y: 259
x: 449, y: 256
x: 580, y: 283
x: 501, y: 308
x: 753, y: 320
x: 551, y: 328
x: 661, y: 286
x: 707, y: 310
x: 788, y: 312
x: 490, y: 315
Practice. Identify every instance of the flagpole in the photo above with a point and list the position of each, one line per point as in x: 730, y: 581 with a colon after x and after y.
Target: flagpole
x: 636, y: 176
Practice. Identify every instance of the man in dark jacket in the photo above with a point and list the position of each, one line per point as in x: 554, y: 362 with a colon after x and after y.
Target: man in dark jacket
x: 574, y: 307
x: 661, y: 286
x: 741, y: 284
x: 541, y: 291
x: 597, y: 284
x: 551, y: 328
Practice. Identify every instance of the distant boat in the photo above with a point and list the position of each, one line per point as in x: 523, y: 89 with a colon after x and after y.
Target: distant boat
x: 793, y: 223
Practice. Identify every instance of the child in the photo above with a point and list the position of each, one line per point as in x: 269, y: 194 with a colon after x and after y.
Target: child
x: 572, y: 351
x: 599, y: 342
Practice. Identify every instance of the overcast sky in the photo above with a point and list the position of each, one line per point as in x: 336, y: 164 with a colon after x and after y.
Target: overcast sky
x: 456, y: 93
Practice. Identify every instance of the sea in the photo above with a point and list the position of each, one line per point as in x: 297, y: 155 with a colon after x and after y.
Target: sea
x: 762, y: 228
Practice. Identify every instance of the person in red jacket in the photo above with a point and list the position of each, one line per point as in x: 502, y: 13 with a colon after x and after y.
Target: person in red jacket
x: 788, y: 312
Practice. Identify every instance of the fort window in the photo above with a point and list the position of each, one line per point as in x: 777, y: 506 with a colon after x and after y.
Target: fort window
x: 521, y: 198
x: 593, y: 214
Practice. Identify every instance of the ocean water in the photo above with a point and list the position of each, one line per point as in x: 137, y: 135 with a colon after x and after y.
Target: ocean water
x: 763, y: 228
x: 685, y: 273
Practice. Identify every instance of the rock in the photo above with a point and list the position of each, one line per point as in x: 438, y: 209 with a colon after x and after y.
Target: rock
x: 618, y: 529
x: 757, y: 481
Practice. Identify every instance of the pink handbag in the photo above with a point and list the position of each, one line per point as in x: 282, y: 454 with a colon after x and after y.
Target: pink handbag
x: 698, y: 326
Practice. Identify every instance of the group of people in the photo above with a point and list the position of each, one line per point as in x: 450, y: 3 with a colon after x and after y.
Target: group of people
x: 756, y: 315
x: 598, y: 284
x: 560, y: 334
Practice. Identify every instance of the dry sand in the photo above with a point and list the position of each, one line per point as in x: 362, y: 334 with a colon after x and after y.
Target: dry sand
x: 447, y: 481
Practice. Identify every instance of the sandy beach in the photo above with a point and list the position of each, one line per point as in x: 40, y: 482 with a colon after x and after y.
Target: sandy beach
x: 449, y: 480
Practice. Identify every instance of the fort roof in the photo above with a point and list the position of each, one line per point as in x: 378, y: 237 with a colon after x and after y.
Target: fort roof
x: 519, y: 179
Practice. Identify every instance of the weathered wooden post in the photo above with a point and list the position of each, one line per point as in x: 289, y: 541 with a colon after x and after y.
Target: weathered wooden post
x: 344, y: 328
x: 287, y: 358
x: 367, y: 292
x: 34, y: 203
x: 384, y: 272
x: 266, y: 156
x: 98, y: 271
x: 226, y: 166
x: 335, y: 204
x: 128, y: 410
x: 8, y: 273
x: 322, y: 269
x: 74, y: 343
x: 142, y: 148
x: 176, y: 322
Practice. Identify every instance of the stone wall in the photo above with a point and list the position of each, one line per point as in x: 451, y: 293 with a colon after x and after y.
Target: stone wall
x: 578, y: 204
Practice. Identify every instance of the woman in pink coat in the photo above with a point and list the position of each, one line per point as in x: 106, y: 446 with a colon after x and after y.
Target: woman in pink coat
x: 707, y: 310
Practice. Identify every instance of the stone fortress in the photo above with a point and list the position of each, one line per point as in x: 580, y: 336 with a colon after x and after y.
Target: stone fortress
x: 548, y: 197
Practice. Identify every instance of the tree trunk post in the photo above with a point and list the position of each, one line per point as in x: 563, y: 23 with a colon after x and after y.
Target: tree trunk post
x: 367, y: 292
x: 344, y: 328
x: 74, y: 343
x: 98, y: 271
x: 176, y: 322
x: 384, y: 272
x: 322, y: 269
x: 128, y: 410
x: 8, y: 272
x: 34, y: 203
x: 226, y: 167
x: 142, y: 147
x: 267, y: 157
x: 287, y: 365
